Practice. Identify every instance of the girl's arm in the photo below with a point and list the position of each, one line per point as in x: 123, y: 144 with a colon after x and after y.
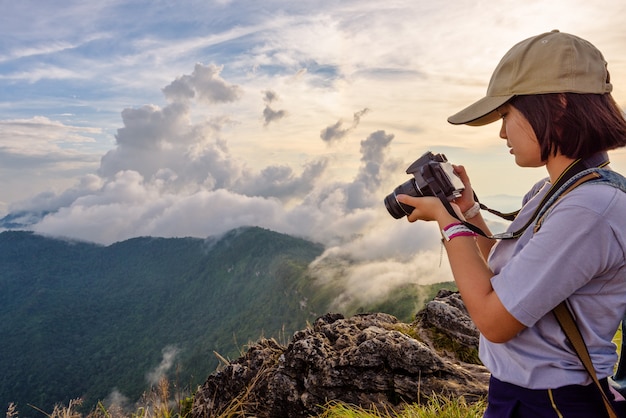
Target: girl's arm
x: 471, y: 272
x: 465, y: 202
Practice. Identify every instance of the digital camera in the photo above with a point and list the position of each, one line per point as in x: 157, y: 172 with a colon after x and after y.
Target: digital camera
x: 433, y: 176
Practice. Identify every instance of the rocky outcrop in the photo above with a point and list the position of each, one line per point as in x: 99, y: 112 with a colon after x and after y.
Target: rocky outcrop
x: 371, y: 360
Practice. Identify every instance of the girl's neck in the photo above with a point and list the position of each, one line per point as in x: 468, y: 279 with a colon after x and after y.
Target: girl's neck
x: 556, y: 165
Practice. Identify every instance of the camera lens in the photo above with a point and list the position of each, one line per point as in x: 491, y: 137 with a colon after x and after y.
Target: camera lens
x: 397, y: 209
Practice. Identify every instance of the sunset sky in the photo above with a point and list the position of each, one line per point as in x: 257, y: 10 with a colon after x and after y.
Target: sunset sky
x: 190, y: 118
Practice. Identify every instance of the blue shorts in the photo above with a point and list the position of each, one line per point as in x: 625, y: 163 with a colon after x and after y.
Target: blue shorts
x: 506, y: 400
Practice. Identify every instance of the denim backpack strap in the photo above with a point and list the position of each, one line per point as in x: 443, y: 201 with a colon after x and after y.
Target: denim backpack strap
x: 580, y: 178
x: 592, y: 175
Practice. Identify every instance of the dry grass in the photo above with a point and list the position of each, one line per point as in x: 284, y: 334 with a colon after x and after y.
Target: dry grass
x: 159, y: 404
x: 436, y: 407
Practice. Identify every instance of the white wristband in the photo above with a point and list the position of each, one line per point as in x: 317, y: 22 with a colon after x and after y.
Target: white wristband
x: 473, y: 211
x: 456, y: 229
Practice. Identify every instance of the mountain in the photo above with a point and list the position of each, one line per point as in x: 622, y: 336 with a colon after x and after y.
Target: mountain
x: 22, y: 219
x: 81, y: 320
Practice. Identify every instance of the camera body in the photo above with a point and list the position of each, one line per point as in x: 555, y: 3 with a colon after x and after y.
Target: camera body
x: 432, y: 175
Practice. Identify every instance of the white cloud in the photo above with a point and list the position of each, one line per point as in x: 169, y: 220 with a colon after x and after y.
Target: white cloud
x: 205, y: 83
x: 41, y: 135
x: 169, y: 356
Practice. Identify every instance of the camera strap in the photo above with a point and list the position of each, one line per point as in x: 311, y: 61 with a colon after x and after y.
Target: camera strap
x: 573, y: 169
x: 510, y: 216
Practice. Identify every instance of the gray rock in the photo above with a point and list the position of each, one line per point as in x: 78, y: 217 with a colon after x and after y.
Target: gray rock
x: 371, y: 360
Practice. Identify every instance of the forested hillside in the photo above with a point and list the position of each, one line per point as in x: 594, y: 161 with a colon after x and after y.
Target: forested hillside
x: 80, y: 320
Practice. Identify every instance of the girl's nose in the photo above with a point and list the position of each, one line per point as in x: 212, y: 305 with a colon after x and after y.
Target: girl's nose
x: 503, y: 130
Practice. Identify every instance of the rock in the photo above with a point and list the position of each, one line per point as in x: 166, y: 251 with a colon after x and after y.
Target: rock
x: 371, y: 360
x: 446, y: 316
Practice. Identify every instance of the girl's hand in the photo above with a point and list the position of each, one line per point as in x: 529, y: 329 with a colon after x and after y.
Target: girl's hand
x: 427, y: 208
x: 466, y: 201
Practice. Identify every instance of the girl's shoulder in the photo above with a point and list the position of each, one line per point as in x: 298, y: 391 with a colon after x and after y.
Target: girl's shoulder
x: 599, y: 197
x: 595, y: 193
x: 537, y: 188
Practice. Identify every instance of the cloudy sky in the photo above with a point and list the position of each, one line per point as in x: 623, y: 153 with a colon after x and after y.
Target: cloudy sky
x: 124, y: 118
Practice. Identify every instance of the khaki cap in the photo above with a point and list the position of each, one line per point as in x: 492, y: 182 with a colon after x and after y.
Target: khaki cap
x: 553, y: 62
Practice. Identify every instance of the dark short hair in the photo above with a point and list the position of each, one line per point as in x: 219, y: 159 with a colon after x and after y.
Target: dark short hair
x: 577, y: 125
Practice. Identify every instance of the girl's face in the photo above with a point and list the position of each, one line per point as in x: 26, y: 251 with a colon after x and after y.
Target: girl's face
x: 520, y: 137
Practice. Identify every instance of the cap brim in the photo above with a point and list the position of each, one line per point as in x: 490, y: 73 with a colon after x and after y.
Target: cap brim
x: 480, y: 113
